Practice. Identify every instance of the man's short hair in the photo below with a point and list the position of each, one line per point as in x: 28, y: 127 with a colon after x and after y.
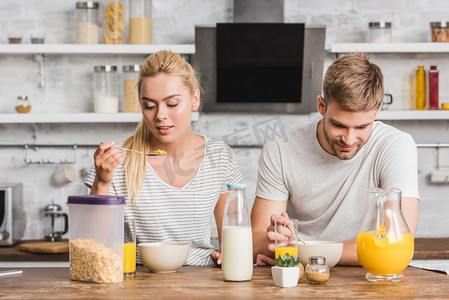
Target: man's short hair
x: 354, y: 83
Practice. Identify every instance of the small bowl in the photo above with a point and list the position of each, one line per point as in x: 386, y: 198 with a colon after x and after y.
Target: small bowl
x: 445, y: 106
x: 163, y: 257
x: 331, y: 250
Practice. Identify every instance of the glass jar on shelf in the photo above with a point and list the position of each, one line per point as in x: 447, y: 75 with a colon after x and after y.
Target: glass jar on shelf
x: 380, y: 32
x: 140, y: 21
x: 114, y: 22
x: 131, y: 101
x: 22, y: 104
x: 439, y: 31
x: 87, y: 29
x: 105, y: 89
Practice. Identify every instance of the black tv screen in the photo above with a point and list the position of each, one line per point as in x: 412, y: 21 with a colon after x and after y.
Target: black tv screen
x: 259, y: 62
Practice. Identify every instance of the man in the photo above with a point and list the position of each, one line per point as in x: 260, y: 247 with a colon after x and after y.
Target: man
x: 322, y: 173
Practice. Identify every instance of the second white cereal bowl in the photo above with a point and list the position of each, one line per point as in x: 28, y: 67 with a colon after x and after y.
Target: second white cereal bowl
x: 331, y: 250
x: 163, y: 257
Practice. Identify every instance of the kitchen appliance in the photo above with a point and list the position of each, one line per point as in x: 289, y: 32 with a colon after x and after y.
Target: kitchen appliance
x: 12, y: 221
x: 58, y: 223
x: 260, y: 67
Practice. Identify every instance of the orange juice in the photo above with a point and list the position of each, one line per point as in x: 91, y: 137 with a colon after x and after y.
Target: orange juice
x: 292, y: 250
x: 129, y: 267
x: 384, y: 256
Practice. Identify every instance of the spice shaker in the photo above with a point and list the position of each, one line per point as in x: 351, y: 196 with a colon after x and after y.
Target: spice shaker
x: 317, y: 271
x: 130, y: 96
x: 139, y: 22
x: 22, y: 104
x: 87, y: 29
x: 105, y: 89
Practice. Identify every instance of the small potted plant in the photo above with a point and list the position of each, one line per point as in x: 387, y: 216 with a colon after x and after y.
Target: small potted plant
x: 287, y: 271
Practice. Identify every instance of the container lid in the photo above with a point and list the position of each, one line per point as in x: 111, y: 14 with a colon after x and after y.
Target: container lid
x: 131, y: 68
x: 317, y: 260
x: 52, y: 207
x: 105, y: 68
x: 87, y: 4
x: 237, y: 186
x: 439, y: 24
x: 96, y: 200
x: 378, y: 25
x: 22, y: 97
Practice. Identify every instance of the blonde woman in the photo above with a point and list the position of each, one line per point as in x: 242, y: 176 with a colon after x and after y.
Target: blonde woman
x: 171, y: 197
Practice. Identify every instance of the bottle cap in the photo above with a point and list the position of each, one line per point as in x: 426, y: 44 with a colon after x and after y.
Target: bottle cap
x: 317, y: 260
x: 237, y: 186
x: 433, y: 67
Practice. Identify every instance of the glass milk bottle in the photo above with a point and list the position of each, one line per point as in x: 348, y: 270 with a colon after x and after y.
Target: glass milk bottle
x: 236, y: 241
x: 139, y: 22
x: 105, y: 89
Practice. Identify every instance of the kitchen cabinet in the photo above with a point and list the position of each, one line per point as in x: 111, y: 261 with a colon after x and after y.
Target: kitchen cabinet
x: 398, y: 48
x: 40, y: 50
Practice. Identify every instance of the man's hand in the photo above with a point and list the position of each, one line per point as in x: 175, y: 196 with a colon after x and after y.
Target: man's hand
x: 263, y: 260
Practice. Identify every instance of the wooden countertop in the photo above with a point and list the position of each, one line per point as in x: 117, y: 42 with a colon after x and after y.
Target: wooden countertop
x: 425, y: 248
x: 204, y: 282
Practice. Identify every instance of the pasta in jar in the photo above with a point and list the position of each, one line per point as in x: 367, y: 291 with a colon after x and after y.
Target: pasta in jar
x: 114, y: 23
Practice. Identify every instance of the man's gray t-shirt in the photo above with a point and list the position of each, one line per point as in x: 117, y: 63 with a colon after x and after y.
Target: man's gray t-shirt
x: 329, y: 196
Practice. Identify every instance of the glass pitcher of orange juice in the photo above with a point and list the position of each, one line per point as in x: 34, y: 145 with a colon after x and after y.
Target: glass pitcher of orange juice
x: 384, y: 243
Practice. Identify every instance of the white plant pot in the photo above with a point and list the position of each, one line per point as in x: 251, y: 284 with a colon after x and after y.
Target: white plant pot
x: 285, y: 277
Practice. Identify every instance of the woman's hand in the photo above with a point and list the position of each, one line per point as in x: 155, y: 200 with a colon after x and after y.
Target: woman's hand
x: 284, y: 234
x: 216, y: 257
x: 106, y: 160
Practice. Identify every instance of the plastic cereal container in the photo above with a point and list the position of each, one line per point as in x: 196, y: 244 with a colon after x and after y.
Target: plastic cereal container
x: 96, y: 238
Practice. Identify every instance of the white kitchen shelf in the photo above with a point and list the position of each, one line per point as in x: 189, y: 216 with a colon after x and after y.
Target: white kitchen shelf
x: 75, y: 118
x: 390, y: 47
x: 413, y: 115
x: 93, y: 49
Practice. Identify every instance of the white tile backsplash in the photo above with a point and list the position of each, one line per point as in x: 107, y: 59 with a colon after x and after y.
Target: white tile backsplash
x: 69, y: 89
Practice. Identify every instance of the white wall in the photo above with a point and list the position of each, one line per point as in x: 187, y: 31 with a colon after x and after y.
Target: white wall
x: 69, y: 80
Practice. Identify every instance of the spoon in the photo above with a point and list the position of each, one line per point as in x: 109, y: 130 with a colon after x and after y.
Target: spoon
x: 297, y: 236
x: 156, y: 153
x: 147, y: 154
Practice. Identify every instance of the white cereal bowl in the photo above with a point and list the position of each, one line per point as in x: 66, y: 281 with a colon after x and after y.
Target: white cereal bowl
x: 163, y: 257
x: 331, y: 250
